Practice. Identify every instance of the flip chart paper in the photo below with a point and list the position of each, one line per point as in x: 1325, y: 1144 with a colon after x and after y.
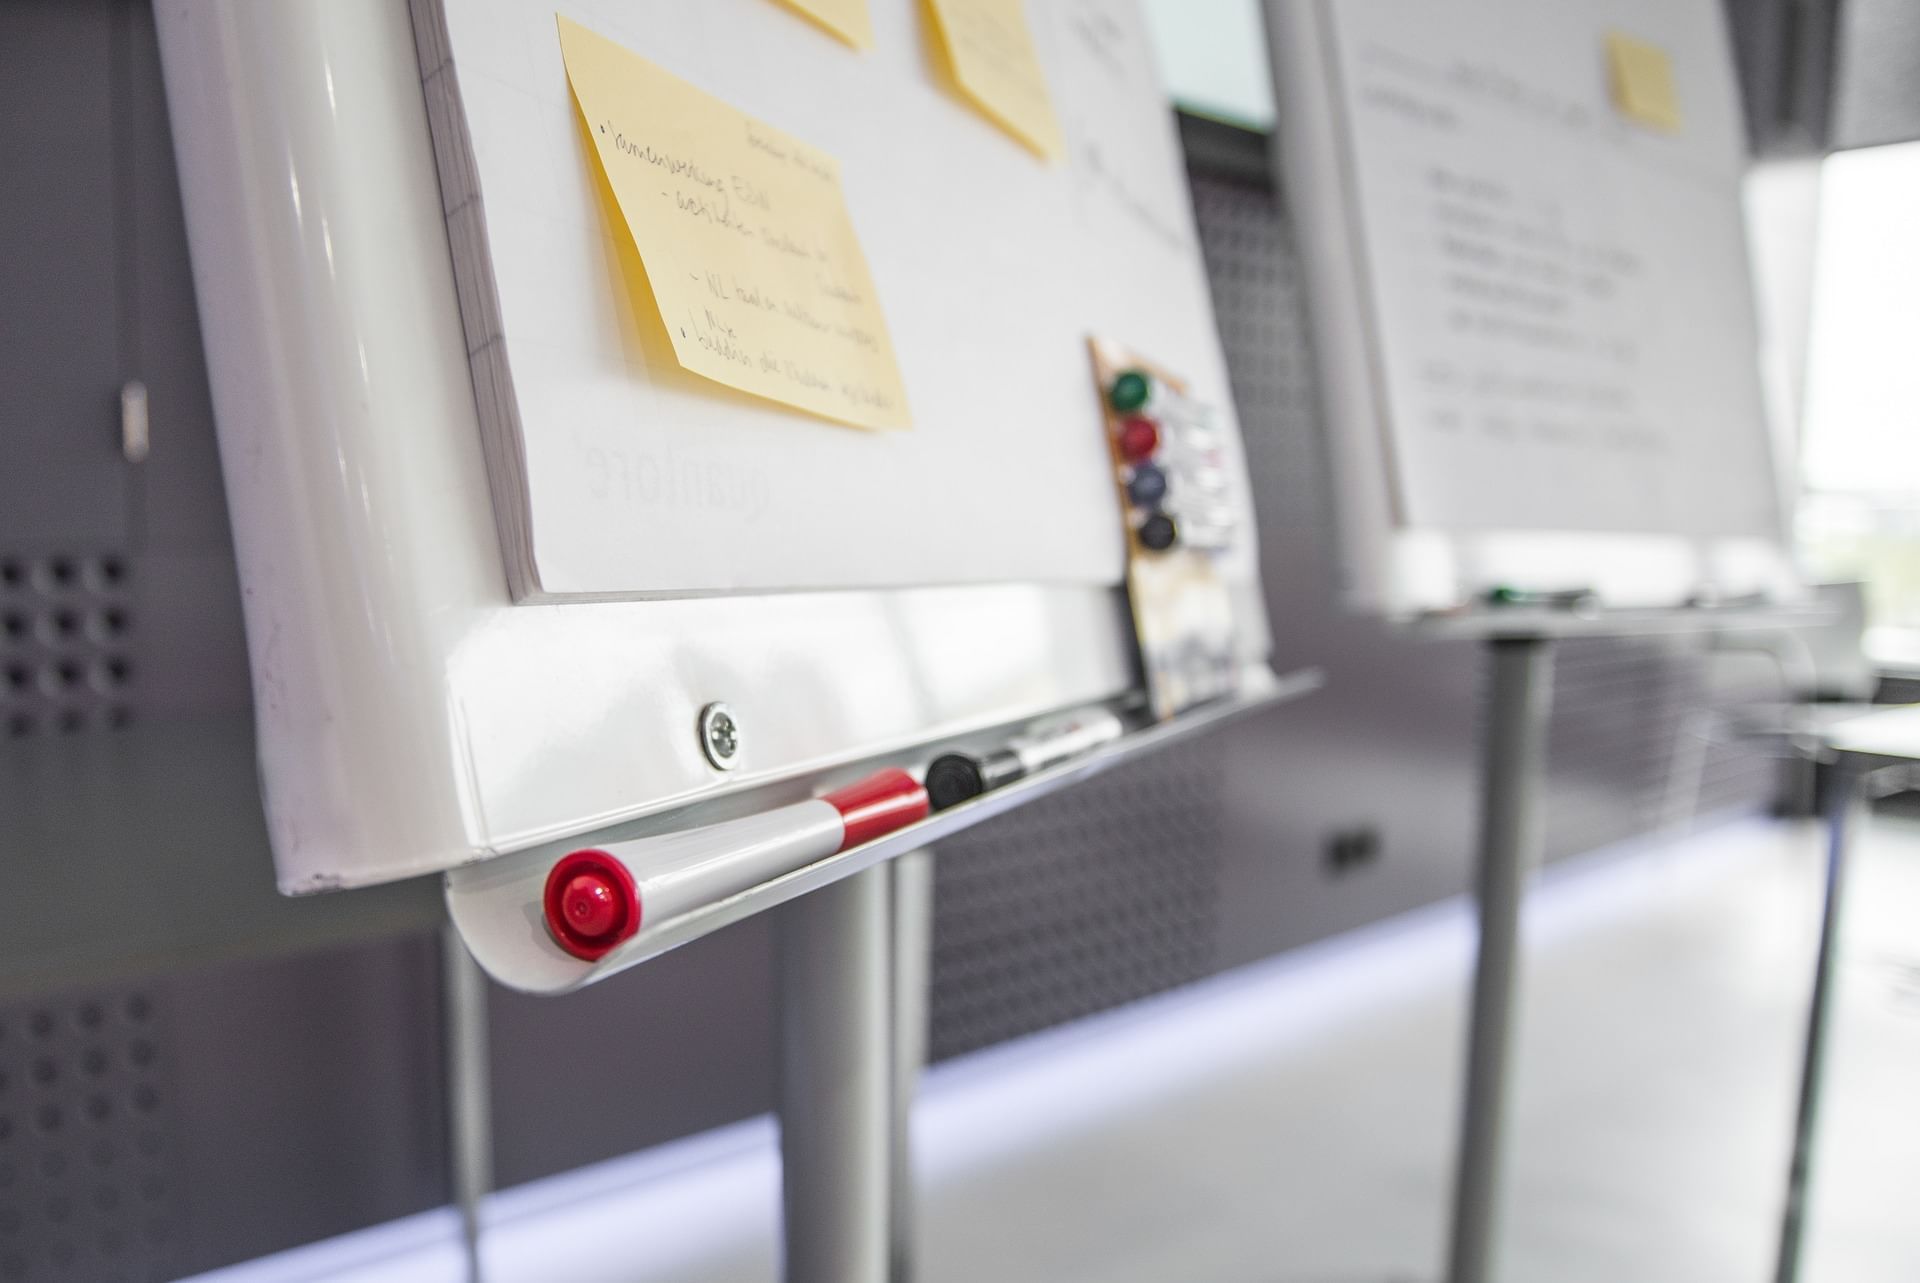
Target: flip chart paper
x: 990, y: 50
x: 749, y: 250
x: 1564, y: 307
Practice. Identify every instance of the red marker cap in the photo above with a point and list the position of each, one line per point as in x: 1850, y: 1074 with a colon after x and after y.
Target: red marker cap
x: 881, y: 803
x: 591, y: 903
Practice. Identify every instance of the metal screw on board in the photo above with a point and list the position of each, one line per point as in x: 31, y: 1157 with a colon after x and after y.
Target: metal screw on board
x: 719, y: 736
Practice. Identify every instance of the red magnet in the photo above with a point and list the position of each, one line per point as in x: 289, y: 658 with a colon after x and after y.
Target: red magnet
x: 1139, y: 438
x: 591, y: 903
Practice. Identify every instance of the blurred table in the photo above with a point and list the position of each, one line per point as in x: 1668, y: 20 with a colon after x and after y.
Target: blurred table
x: 1869, y: 753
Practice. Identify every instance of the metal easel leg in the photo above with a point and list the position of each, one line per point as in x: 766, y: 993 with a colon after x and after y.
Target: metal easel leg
x: 834, y: 949
x: 469, y: 1103
x: 1519, y: 697
x: 1846, y: 795
x: 912, y: 981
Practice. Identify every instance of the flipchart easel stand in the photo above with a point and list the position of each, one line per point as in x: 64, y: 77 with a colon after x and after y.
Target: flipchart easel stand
x: 1520, y: 643
x: 854, y: 962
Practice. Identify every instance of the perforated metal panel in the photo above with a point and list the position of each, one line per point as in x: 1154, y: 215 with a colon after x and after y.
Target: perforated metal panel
x: 65, y: 641
x: 1258, y: 306
x: 86, y: 1134
x: 1087, y: 899
x: 1636, y: 744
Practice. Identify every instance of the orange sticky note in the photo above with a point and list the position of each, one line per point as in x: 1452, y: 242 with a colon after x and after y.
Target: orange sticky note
x: 848, y: 19
x: 989, y: 49
x: 1641, y: 76
x: 749, y: 250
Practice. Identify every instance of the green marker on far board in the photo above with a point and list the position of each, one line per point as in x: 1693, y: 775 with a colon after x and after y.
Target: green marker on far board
x: 1579, y: 600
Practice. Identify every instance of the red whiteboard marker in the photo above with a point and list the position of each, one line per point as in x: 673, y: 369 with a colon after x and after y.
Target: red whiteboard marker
x: 597, y: 897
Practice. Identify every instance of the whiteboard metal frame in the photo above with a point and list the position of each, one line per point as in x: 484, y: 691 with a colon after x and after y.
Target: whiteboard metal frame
x: 433, y: 723
x: 1400, y: 571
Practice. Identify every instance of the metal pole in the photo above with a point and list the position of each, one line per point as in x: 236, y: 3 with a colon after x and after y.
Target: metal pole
x: 833, y: 949
x: 912, y: 981
x: 469, y: 1102
x: 1847, y: 790
x: 1519, y: 697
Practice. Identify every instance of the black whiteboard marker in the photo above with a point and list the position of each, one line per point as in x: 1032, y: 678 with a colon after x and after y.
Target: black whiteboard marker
x: 953, y: 778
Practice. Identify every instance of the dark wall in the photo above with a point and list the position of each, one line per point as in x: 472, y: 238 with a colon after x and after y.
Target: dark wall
x: 1820, y: 75
x: 1877, y: 96
x: 270, y: 1070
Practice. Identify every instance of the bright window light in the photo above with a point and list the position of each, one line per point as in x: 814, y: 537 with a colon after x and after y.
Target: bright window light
x: 1861, y: 456
x: 1213, y: 57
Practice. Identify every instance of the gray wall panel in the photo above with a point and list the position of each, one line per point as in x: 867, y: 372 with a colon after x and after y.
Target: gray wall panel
x: 181, y: 506
x: 1879, y: 83
x: 660, y: 1051
x: 170, y: 1124
x: 59, y: 277
x: 309, y: 1098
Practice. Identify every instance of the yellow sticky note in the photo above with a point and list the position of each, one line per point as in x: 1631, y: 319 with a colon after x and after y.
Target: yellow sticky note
x: 1641, y: 75
x: 989, y: 49
x: 749, y: 250
x: 847, y: 19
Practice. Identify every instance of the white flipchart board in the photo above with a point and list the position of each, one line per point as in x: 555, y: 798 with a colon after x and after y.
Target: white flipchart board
x: 1534, y: 313
x: 992, y: 267
x: 412, y: 715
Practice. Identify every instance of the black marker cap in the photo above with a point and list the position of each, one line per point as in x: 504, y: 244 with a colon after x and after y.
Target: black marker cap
x: 953, y: 778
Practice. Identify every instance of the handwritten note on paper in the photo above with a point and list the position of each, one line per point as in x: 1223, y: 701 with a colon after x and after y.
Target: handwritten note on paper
x: 749, y: 250
x: 1641, y: 76
x: 990, y: 50
x: 847, y: 19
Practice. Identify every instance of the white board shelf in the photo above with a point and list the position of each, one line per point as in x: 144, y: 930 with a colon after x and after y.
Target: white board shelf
x: 497, y: 906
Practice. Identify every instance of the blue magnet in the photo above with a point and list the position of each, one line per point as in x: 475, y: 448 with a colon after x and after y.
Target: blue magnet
x: 1148, y: 487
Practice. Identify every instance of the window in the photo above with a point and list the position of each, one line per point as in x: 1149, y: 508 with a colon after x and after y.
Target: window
x: 1860, y: 513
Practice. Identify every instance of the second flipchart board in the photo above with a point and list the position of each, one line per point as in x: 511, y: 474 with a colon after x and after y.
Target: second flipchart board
x: 1523, y: 235
x: 581, y: 366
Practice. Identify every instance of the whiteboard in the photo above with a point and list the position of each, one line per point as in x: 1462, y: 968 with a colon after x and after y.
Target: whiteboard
x: 412, y: 714
x: 1534, y: 313
x: 992, y: 268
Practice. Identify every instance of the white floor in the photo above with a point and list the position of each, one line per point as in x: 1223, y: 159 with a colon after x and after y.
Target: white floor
x: 1292, y: 1123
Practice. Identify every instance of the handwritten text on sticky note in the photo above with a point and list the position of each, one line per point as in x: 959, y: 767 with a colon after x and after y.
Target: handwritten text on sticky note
x: 847, y: 19
x: 990, y: 50
x: 748, y: 246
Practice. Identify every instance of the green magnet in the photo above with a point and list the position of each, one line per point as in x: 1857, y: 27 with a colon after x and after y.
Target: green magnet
x: 1129, y: 391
